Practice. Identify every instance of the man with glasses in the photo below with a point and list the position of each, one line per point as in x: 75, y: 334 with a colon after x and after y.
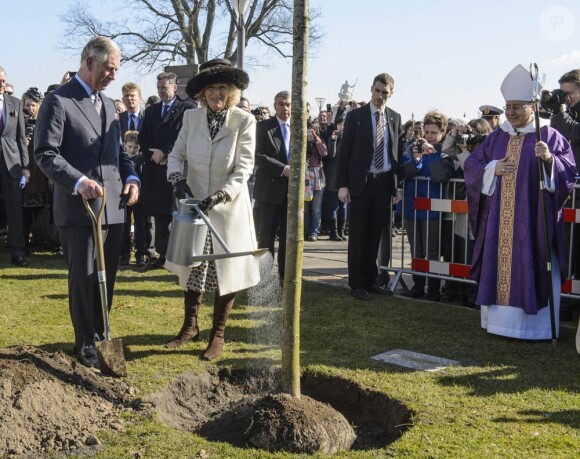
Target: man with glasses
x: 503, y: 184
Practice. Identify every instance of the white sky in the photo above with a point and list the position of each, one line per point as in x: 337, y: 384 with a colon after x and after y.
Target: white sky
x: 442, y: 54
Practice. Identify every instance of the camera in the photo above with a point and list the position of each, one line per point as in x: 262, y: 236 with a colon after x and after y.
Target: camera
x: 29, y: 128
x: 552, y: 101
x: 419, y: 145
x: 328, y: 107
x: 470, y: 140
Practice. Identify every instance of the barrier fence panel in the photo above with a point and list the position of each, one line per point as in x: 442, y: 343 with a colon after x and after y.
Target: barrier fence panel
x: 455, y: 240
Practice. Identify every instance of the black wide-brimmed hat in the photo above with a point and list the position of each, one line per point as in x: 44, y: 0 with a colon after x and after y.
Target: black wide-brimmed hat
x: 216, y: 71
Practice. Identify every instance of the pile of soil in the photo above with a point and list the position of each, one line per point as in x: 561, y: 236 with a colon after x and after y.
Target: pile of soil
x: 49, y: 402
x: 224, y: 405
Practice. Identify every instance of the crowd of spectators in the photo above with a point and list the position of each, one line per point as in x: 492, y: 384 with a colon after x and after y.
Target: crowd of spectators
x: 435, y: 148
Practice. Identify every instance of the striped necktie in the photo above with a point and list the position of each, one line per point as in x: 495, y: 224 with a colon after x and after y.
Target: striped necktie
x: 164, y: 112
x: 97, y: 102
x: 379, y: 158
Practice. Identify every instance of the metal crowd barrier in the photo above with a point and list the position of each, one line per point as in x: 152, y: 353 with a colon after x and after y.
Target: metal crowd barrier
x: 447, y: 266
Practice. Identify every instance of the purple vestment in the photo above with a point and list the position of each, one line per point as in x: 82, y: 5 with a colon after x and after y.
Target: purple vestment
x: 528, y: 279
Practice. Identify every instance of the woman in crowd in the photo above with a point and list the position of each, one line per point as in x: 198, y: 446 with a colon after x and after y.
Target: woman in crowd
x: 36, y: 194
x: 217, y: 142
x: 335, y: 209
x: 423, y: 226
x: 316, y: 150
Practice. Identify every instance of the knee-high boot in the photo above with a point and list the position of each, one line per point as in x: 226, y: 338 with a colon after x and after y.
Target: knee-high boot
x: 221, y: 310
x: 190, y: 329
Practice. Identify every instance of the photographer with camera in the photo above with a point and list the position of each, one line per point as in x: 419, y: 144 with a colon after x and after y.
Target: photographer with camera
x: 564, y: 106
x: 422, y: 226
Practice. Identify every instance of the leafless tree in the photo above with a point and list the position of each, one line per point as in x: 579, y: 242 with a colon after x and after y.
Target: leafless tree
x: 155, y: 33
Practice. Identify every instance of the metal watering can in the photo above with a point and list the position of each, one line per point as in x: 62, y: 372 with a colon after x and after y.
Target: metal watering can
x: 188, y: 233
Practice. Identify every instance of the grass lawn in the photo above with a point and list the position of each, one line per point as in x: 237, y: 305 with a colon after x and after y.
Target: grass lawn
x: 508, y: 399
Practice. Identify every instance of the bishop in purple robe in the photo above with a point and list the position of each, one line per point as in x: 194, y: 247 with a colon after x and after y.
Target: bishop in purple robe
x: 503, y: 182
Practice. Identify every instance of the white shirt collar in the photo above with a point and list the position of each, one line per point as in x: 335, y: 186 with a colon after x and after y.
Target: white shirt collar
x: 83, y: 84
x: 280, y: 122
x: 506, y: 126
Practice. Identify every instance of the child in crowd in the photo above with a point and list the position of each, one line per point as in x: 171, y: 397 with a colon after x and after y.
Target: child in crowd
x: 135, y: 212
x: 423, y: 226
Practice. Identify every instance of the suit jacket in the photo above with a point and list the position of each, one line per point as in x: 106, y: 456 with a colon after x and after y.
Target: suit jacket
x: 72, y: 140
x: 124, y: 121
x: 156, y: 191
x: 13, y: 138
x: 271, y: 158
x: 357, y: 149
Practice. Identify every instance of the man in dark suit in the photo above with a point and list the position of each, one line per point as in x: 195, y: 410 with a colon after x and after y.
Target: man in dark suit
x: 77, y: 144
x: 271, y: 187
x: 132, y: 118
x: 159, y: 132
x: 13, y: 168
x: 365, y: 178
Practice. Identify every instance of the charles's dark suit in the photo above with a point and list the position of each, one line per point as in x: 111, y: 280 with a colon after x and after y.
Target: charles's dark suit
x: 156, y: 191
x: 13, y: 158
x: 124, y: 121
x: 370, y: 195
x: 271, y: 188
x: 71, y: 140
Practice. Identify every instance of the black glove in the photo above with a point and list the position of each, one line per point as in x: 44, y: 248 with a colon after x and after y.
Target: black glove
x: 181, y: 189
x: 124, y: 200
x: 213, y: 200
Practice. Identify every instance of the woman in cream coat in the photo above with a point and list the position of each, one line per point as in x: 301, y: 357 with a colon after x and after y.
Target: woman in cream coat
x: 217, y: 143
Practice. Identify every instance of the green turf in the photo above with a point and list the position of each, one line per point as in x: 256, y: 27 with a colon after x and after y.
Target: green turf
x: 508, y: 399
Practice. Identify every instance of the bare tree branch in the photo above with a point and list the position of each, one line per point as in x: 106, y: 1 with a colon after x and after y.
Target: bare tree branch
x: 156, y: 33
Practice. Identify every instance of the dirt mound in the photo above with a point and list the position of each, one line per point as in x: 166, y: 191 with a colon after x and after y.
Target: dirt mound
x: 283, y: 423
x: 50, y: 402
x: 220, y: 405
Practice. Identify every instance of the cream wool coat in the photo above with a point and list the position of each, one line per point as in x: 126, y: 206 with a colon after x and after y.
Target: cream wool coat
x: 225, y: 163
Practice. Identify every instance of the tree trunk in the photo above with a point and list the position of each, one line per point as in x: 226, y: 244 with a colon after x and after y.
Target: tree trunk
x: 295, y: 230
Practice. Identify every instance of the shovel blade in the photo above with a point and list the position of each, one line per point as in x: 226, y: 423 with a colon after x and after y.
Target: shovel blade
x: 111, y: 357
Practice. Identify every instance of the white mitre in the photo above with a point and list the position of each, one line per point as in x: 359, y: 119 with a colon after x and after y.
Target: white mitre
x: 518, y: 85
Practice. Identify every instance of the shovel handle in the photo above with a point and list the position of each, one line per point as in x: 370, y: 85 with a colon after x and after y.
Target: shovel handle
x: 96, y: 220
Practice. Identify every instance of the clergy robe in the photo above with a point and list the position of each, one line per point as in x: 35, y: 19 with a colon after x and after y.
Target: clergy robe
x: 509, y: 258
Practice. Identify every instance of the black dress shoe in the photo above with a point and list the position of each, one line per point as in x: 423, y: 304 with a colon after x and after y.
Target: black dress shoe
x: 414, y: 293
x: 19, y: 261
x: 140, y: 262
x: 360, y: 294
x: 379, y: 289
x: 88, y: 357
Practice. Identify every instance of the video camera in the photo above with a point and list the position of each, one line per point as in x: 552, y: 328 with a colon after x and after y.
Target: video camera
x: 470, y: 139
x: 552, y: 101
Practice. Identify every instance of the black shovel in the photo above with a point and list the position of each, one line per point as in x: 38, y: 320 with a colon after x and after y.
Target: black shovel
x: 109, y: 352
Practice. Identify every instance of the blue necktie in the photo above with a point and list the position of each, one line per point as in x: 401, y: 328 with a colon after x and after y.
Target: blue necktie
x: 286, y: 137
x: 164, y: 112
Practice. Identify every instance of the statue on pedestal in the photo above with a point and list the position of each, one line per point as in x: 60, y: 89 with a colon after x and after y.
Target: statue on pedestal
x: 345, y: 91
